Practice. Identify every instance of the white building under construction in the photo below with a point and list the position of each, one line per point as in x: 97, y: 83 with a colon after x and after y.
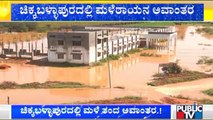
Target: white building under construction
x: 91, y: 44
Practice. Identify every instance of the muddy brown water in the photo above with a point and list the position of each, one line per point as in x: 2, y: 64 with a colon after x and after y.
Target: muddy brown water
x: 122, y: 72
x: 132, y: 73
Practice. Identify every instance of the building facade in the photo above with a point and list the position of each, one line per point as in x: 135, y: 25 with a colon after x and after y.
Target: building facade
x: 91, y: 44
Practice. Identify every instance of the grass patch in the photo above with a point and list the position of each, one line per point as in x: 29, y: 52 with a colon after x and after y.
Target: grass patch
x: 208, y: 92
x: 46, y: 85
x: 149, y: 55
x: 182, y: 97
x: 44, y: 62
x: 119, y: 87
x: 150, y: 48
x: 97, y: 64
x: 122, y: 100
x: 205, y: 60
x: 206, y: 30
x: 110, y: 57
x: 116, y: 57
x: 133, y: 51
x: 129, y: 98
x: 149, y: 24
x: 204, y: 44
x: 205, y: 101
x: 126, y: 55
x: 184, y: 76
x: 201, y: 101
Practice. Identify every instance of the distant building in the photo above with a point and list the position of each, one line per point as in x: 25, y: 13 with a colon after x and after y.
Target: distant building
x: 91, y: 44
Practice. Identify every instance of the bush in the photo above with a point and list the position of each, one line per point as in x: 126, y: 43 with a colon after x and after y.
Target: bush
x: 133, y: 51
x: 209, y: 92
x: 114, y: 57
x: 146, y: 54
x: 207, y: 30
x: 125, y: 55
x: 205, y: 60
x: 8, y: 84
x: 172, y: 68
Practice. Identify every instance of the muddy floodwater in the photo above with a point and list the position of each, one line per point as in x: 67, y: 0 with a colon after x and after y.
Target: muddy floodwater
x: 131, y: 73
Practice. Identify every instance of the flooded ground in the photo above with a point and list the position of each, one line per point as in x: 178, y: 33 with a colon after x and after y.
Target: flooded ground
x: 122, y: 72
x: 131, y: 73
x: 189, y: 50
x: 193, y: 91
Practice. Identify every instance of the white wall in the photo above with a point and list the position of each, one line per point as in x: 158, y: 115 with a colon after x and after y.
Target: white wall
x: 52, y: 57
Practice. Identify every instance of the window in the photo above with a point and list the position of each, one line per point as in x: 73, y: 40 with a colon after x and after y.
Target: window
x: 60, y: 55
x: 120, y: 48
x: 114, y: 49
x: 76, y: 36
x: 99, y: 54
x: 52, y: 36
x: 99, y: 41
x: 60, y: 42
x: 76, y: 43
x: 76, y: 56
x: 105, y: 40
x: 76, y: 50
x: 105, y: 52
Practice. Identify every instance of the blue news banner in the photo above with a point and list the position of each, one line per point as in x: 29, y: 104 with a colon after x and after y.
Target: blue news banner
x: 107, y: 12
x: 91, y: 111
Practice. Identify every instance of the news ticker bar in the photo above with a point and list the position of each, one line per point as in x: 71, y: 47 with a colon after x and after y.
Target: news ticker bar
x: 107, y: 12
x: 103, y: 111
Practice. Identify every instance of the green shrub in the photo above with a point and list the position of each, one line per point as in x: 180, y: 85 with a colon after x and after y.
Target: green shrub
x: 206, y: 101
x: 145, y: 54
x: 8, y: 84
x: 205, y: 60
x: 207, y: 30
x: 172, y: 68
x: 209, y: 92
x: 151, y: 83
x: 125, y: 55
x: 133, y: 51
x: 114, y: 57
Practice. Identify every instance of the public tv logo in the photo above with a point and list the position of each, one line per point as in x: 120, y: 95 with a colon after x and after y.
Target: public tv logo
x: 189, y: 111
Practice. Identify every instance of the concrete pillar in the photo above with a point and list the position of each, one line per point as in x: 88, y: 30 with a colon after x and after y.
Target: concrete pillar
x: 175, y: 45
x: 147, y: 43
x: 29, y: 46
x: 32, y: 52
x: 16, y: 47
x: 123, y: 45
x: 42, y: 46
x: 22, y: 47
x: 35, y: 47
x: 168, y: 47
x: 9, y: 47
x: 2, y: 48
